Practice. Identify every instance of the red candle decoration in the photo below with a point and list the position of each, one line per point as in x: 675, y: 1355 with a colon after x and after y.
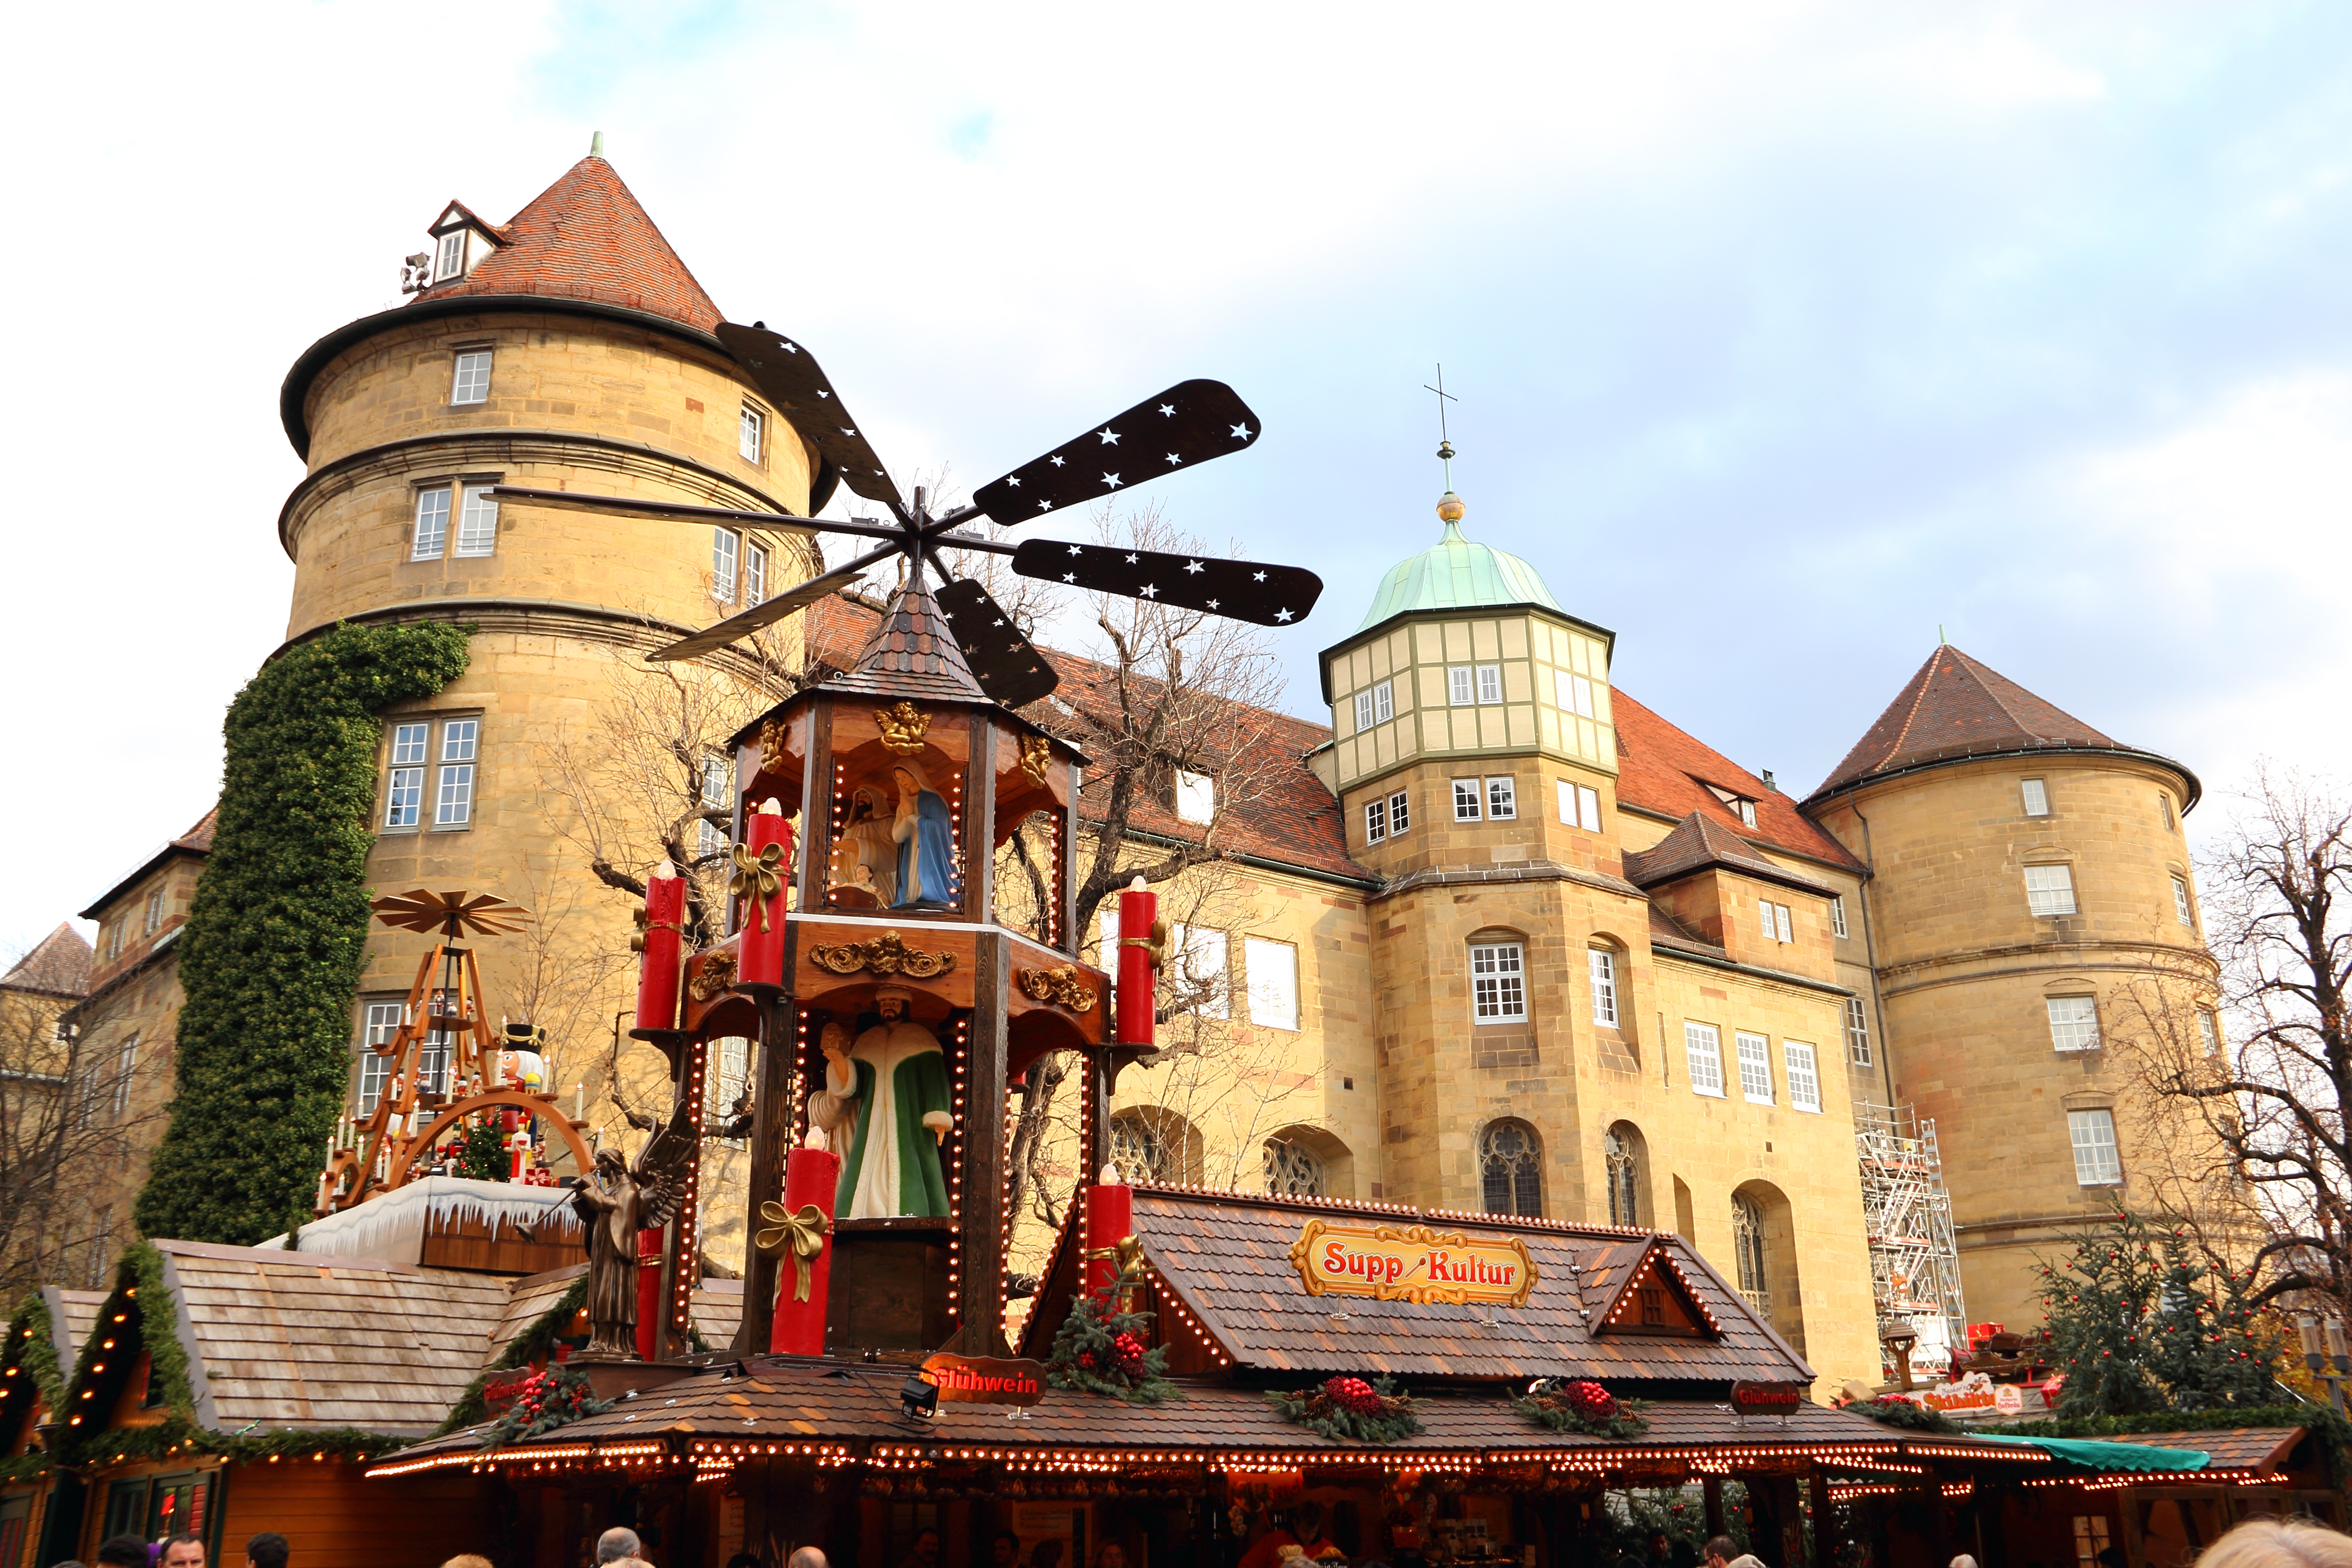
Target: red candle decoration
x: 1138, y: 907
x: 764, y: 865
x: 659, y: 974
x: 1111, y: 1219
x: 811, y: 1177
x: 650, y: 1262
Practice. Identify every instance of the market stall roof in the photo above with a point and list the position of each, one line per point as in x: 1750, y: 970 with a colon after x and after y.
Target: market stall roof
x: 1227, y: 1258
x: 803, y: 1399
x: 2109, y: 1458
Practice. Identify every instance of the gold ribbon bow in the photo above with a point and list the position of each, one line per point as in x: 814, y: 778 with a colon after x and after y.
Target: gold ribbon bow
x: 755, y: 879
x: 802, y: 1234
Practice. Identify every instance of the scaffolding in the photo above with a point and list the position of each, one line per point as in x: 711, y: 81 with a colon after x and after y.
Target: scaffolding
x: 1914, y: 1263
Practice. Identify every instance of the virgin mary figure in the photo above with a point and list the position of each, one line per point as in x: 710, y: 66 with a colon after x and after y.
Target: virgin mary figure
x: 927, y: 877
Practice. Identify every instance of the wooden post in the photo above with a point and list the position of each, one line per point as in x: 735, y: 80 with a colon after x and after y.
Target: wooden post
x: 816, y: 811
x: 772, y: 1140
x: 1071, y: 935
x: 980, y: 819
x: 1825, y: 1534
x: 981, y: 1231
x: 1710, y: 1491
x: 670, y: 1342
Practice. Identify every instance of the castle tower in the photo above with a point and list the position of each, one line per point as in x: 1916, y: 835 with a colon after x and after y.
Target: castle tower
x: 2028, y: 879
x: 568, y: 348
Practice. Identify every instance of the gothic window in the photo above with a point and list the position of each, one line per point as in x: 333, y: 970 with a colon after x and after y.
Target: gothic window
x: 1748, y: 1249
x: 1292, y: 1169
x: 1511, y: 1169
x: 1142, y: 1155
x: 1624, y: 1164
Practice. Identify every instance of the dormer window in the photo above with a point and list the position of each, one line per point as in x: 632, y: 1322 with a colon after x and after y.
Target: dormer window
x: 452, y: 262
x: 1196, y: 797
x: 1746, y: 809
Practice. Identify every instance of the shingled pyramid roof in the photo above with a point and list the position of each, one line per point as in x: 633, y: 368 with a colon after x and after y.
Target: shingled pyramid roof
x: 585, y: 238
x: 59, y: 965
x: 912, y: 653
x: 1698, y: 842
x: 1956, y: 707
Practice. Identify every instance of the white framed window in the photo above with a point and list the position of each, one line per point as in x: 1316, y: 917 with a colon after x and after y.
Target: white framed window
x: 1857, y: 1032
x: 452, y: 260
x: 1502, y: 799
x: 1490, y: 683
x: 717, y: 781
x: 404, y: 792
x: 1271, y: 971
x: 432, y: 535
x: 2036, y: 796
x: 1755, y: 1054
x: 1746, y: 809
x: 2208, y: 1032
x: 1573, y: 692
x: 1466, y: 800
x: 2050, y: 890
x: 1201, y: 957
x: 1196, y: 796
x: 1804, y: 1076
x: 453, y: 804
x: 1383, y: 702
x: 1703, y: 1054
x: 85, y: 1092
x: 1363, y: 712
x: 1603, y: 965
x: 1460, y: 686
x: 1498, y: 985
x: 2180, y: 904
x: 382, y: 1022
x: 1837, y: 915
x: 2097, y: 1162
x: 726, y: 1064
x: 2073, y: 1022
x: 1376, y: 821
x: 755, y: 574
x: 1580, y: 805
x: 1400, y: 812
x: 126, y: 1061
x: 2165, y: 801
x: 1774, y: 919
x: 154, y: 914
x: 747, y: 433
x: 470, y: 381
x: 477, y: 523
x: 723, y: 548
x: 709, y: 840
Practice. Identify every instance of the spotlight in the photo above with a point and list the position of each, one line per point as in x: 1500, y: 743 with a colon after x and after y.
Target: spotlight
x: 920, y: 1398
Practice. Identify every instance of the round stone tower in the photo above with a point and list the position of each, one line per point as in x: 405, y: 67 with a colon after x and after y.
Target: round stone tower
x: 567, y: 349
x: 2030, y: 902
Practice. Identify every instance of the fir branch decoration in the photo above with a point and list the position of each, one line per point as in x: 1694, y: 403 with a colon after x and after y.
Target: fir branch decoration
x: 555, y: 1397
x: 1907, y: 1414
x: 1099, y: 1350
x: 1580, y: 1405
x: 1349, y: 1407
x: 271, y: 957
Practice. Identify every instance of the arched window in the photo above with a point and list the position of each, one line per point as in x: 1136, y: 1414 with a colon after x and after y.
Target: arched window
x: 1748, y: 1249
x: 1510, y: 1168
x: 1620, y: 1149
x: 1141, y: 1154
x: 1294, y: 1169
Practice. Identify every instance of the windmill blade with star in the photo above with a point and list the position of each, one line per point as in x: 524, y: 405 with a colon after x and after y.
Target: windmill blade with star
x: 1191, y: 422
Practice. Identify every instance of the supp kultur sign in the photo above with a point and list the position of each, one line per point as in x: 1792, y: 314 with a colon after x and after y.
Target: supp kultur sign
x: 1413, y: 1263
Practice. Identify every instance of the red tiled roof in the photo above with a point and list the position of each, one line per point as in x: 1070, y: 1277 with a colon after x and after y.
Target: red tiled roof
x: 1699, y: 841
x: 1666, y: 771
x: 585, y: 238
x: 1954, y: 707
x: 58, y: 966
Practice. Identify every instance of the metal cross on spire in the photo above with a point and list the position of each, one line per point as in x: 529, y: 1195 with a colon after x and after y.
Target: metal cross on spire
x: 1445, y: 442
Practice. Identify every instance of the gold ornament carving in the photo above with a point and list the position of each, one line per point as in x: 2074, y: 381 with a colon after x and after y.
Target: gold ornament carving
x: 1036, y: 751
x: 903, y: 725
x: 800, y: 1234
x: 1061, y: 986
x: 771, y: 745
x: 886, y: 955
x: 755, y: 880
x: 717, y: 974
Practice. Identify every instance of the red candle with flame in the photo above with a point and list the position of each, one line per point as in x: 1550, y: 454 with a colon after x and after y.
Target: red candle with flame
x: 1138, y: 907
x: 1111, y: 1219
x: 760, y: 917
x: 812, y: 1176
x: 650, y: 1262
x: 657, y: 975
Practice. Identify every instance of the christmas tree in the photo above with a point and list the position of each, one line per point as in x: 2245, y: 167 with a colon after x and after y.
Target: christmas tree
x: 482, y: 1157
x: 2137, y: 1323
x: 2206, y: 1346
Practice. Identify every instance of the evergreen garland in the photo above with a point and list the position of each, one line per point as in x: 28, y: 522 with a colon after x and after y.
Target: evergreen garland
x: 1099, y: 1350
x: 1349, y: 1407
x: 548, y: 1399
x: 482, y: 1155
x: 2134, y: 1331
x: 1580, y: 1405
x: 1908, y: 1413
x: 271, y: 956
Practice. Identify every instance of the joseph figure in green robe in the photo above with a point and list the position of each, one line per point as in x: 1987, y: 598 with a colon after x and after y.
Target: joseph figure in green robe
x: 885, y: 1110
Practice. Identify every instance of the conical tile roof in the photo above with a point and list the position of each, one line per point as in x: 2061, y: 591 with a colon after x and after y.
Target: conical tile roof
x: 912, y: 653
x: 585, y: 238
x: 1956, y: 707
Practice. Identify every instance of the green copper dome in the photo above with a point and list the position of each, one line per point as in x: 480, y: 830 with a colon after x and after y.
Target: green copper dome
x: 1457, y: 574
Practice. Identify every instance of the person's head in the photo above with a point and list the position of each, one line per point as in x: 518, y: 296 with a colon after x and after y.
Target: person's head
x: 466, y: 1559
x: 1004, y: 1551
x: 1046, y: 1555
x: 1112, y: 1555
x: 183, y: 1551
x: 620, y: 1540
x: 2279, y: 1543
x: 1307, y: 1520
x: 905, y: 782
x: 743, y: 1559
x: 122, y: 1551
x: 269, y: 1550
x: 806, y: 1557
x: 927, y: 1545
x: 891, y: 1003
x: 1964, y: 1561
x: 1719, y: 1549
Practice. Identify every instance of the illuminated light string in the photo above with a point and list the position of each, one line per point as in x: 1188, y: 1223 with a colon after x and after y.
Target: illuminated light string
x: 689, y: 1239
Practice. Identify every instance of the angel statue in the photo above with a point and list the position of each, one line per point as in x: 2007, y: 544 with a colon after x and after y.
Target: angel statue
x: 621, y: 1200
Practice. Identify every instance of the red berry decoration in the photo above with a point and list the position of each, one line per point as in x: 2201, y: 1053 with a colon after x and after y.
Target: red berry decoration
x: 1353, y: 1394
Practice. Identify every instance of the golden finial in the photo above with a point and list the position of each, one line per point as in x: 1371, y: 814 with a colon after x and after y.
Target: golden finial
x: 1450, y: 508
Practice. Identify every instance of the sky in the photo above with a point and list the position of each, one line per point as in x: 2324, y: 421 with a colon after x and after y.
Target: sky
x: 1786, y: 336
